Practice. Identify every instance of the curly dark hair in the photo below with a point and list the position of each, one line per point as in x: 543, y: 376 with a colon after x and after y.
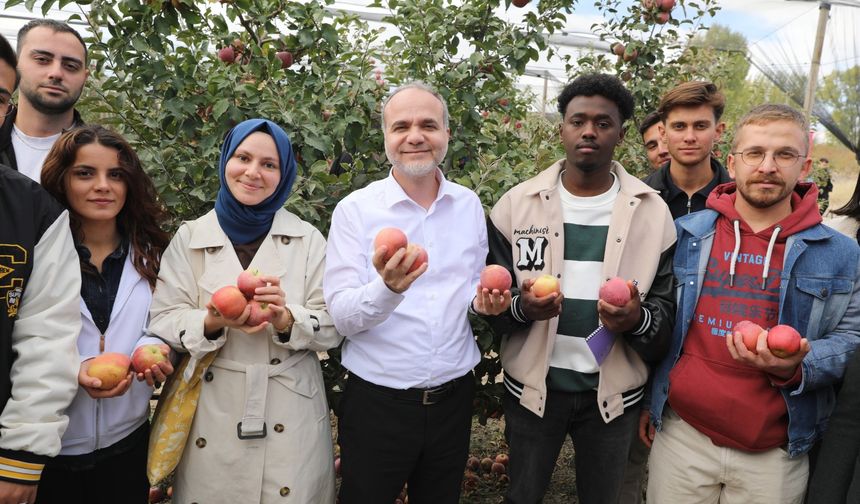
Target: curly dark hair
x: 597, y: 84
x: 141, y: 217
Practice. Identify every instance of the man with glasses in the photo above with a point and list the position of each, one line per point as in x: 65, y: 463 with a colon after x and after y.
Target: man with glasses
x: 734, y: 424
x: 52, y: 65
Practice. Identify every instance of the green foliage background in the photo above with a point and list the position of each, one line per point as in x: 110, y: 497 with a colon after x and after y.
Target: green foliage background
x: 158, y: 80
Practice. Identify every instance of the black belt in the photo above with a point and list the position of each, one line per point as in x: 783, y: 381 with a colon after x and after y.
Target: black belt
x: 425, y: 396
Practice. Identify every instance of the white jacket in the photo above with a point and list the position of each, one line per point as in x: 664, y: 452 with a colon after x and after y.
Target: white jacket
x: 99, y: 423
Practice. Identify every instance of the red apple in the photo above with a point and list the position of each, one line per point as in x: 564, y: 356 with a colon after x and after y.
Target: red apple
x: 155, y: 495
x: 495, y: 277
x: 520, y: 3
x: 666, y: 5
x: 111, y: 368
x: 630, y: 54
x: 518, y: 125
x: 260, y: 312
x: 485, y: 114
x: 617, y: 49
x: 749, y: 332
x: 662, y: 18
x: 227, y: 54
x: 337, y: 466
x: 783, y: 341
x: 326, y: 114
x: 487, y: 464
x: 421, y: 259
x: 649, y: 4
x: 615, y: 291
x: 248, y: 281
x: 497, y: 469
x: 170, y: 491
x: 286, y: 58
x: 392, y: 238
x: 473, y: 464
x: 146, y: 356
x: 502, y: 458
x: 545, y: 285
x: 504, y: 102
x: 229, y: 302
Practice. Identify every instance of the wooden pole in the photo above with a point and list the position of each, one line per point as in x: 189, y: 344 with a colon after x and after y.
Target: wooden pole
x: 809, y: 98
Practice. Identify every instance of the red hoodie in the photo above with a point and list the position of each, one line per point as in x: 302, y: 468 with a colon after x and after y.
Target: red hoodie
x: 732, y: 403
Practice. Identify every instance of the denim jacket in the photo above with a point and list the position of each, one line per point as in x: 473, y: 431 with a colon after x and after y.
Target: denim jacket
x: 819, y: 295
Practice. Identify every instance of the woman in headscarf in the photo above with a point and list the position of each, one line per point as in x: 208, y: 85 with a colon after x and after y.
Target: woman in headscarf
x: 261, y: 431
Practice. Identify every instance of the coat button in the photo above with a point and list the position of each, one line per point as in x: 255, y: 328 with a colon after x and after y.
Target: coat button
x: 605, y: 404
x: 618, y: 240
x: 200, y: 442
x: 285, y: 240
x: 285, y: 491
x: 606, y: 414
x: 211, y: 250
x: 824, y: 292
x: 556, y: 235
x: 208, y: 376
x: 632, y: 203
x: 279, y: 427
x: 275, y: 361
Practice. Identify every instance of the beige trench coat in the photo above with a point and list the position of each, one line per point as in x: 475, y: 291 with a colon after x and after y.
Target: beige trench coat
x: 255, y: 377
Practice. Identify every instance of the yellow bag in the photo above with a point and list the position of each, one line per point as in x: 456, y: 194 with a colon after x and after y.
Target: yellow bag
x: 173, y: 416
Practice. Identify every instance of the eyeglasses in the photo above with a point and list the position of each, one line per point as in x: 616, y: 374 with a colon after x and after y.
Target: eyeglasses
x: 782, y: 158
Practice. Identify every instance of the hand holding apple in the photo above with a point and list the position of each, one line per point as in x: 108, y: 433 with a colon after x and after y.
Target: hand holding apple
x: 397, y: 272
x: 152, y: 363
x: 620, y: 319
x: 269, y: 306
x: 536, y: 307
x: 106, y: 375
x: 493, y: 302
x: 762, y: 357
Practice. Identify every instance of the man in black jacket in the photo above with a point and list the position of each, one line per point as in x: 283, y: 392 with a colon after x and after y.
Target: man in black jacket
x: 690, y: 115
x: 40, y: 285
x: 52, y: 65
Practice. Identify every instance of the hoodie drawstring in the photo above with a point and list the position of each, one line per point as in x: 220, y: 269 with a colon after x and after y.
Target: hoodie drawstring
x: 776, y: 231
x: 737, y: 249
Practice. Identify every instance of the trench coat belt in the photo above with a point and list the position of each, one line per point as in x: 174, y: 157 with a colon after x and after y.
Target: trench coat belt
x: 256, y: 386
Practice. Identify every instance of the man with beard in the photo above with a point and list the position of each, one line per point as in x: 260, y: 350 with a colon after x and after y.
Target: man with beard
x: 734, y: 424
x: 690, y: 125
x: 52, y: 64
x: 582, y: 221
x: 406, y: 412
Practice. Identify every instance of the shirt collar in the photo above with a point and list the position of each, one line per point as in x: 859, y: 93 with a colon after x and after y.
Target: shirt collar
x: 394, y: 193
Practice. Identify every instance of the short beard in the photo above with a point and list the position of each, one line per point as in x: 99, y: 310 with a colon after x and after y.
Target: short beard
x: 416, y: 170
x: 50, y: 108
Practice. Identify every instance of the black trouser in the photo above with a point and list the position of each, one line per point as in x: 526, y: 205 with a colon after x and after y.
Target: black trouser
x: 108, y: 476
x: 388, y: 439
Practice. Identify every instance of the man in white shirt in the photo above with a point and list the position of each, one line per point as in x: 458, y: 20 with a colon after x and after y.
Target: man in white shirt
x: 52, y: 64
x: 406, y: 411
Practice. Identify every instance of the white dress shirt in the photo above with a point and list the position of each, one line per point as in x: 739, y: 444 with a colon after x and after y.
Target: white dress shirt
x: 422, y: 337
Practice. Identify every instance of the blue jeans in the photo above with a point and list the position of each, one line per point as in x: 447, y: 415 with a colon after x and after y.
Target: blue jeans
x: 601, y: 448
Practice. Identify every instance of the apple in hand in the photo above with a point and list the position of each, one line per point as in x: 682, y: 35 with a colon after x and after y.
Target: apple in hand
x: 545, y: 285
x: 495, y: 277
x: 615, y: 291
x: 783, y: 341
x: 421, y: 259
x: 248, y: 281
x: 260, y: 312
x: 392, y: 238
x: 749, y: 332
x: 229, y: 302
x: 146, y: 356
x: 111, y: 368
